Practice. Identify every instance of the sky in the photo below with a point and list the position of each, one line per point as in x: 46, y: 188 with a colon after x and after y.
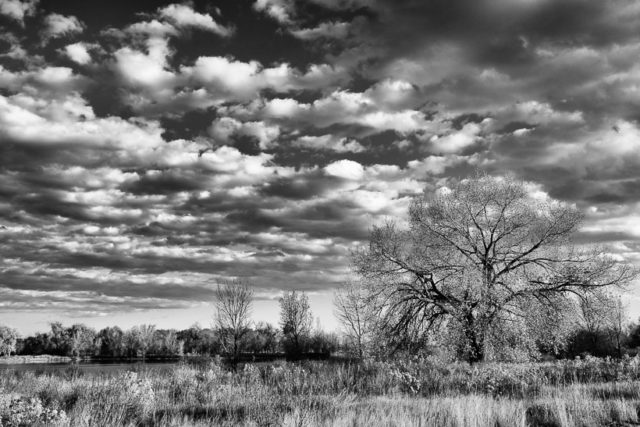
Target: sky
x: 150, y: 149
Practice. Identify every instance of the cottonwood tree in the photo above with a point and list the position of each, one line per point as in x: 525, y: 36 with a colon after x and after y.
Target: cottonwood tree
x: 354, y: 310
x: 8, y: 340
x: 477, y: 257
x: 81, y: 340
x: 111, y: 341
x: 141, y: 338
x: 295, y: 320
x: 233, y: 302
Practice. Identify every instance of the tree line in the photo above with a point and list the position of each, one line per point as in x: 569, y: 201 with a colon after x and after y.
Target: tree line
x: 232, y: 334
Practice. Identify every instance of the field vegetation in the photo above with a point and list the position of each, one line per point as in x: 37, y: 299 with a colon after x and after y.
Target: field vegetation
x: 582, y: 392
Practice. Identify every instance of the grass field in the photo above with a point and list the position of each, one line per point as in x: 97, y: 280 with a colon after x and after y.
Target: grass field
x: 591, y: 392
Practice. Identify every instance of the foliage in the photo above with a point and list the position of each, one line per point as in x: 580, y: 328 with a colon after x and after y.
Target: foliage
x: 295, y: 321
x: 82, y: 340
x: 8, y: 340
x: 111, y: 342
x: 264, y: 338
x: 25, y: 411
x: 199, y: 341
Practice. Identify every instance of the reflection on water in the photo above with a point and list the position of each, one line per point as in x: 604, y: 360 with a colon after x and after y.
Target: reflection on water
x: 89, y: 367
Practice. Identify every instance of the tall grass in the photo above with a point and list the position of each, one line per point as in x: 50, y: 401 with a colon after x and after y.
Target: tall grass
x: 590, y: 392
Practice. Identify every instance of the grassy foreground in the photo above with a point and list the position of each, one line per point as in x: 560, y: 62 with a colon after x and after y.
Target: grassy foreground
x: 592, y: 392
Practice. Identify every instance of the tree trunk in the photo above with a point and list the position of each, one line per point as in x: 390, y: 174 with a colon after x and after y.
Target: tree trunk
x: 476, y: 349
x: 475, y: 340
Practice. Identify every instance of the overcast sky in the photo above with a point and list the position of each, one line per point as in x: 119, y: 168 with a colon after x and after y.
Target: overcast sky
x: 149, y: 149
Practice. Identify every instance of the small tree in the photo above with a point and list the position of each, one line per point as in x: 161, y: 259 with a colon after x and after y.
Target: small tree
x: 262, y: 339
x: 82, y: 340
x: 619, y: 324
x: 233, y: 302
x: 59, y: 340
x: 354, y: 310
x: 600, y: 326
x: 295, y: 321
x: 111, y: 342
x: 139, y: 338
x: 170, y: 345
x: 8, y: 340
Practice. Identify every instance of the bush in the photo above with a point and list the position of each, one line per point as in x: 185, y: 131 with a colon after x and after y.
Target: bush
x: 27, y: 411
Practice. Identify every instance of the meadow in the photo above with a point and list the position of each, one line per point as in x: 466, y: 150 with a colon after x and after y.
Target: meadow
x: 421, y: 392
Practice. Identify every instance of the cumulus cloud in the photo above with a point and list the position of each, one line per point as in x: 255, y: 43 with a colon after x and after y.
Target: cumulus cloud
x: 183, y: 16
x: 343, y: 107
x: 346, y: 169
x: 153, y: 28
x: 18, y: 9
x: 57, y: 25
x: 78, y: 53
x: 337, y: 30
x: 243, y: 80
x: 457, y: 141
x: 223, y: 129
x: 146, y: 71
x: 211, y: 80
x: 280, y: 10
x: 42, y: 82
x: 329, y: 142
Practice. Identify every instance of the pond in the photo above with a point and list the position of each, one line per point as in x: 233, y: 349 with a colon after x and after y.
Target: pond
x: 89, y: 367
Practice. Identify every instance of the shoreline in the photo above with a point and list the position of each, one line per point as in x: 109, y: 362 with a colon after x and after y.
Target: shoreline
x: 44, y: 358
x: 51, y: 359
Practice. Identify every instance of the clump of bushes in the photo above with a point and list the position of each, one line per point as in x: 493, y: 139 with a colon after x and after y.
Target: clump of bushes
x: 26, y: 411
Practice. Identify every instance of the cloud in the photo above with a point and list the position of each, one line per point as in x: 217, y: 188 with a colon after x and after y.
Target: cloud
x: 78, y: 53
x: 343, y: 107
x: 337, y: 30
x: 69, y: 120
x: 243, y: 80
x: 329, y: 142
x: 183, y: 16
x: 456, y: 142
x: 18, y: 9
x: 42, y: 82
x: 280, y: 10
x: 224, y: 128
x: 346, y: 169
x: 146, y: 71
x: 57, y: 25
x: 153, y: 28
x: 211, y: 80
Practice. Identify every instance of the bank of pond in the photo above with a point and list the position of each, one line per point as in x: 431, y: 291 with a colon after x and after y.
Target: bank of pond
x: 52, y: 363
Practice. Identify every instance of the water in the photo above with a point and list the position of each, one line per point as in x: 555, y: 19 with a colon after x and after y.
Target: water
x: 89, y: 367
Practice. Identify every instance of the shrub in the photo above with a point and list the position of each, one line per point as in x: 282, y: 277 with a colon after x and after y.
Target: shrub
x: 26, y: 411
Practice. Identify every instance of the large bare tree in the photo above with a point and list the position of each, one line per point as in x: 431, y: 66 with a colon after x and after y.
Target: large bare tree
x: 479, y: 256
x: 233, y: 302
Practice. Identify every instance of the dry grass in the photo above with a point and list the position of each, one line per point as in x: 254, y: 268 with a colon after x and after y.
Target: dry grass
x: 420, y: 393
